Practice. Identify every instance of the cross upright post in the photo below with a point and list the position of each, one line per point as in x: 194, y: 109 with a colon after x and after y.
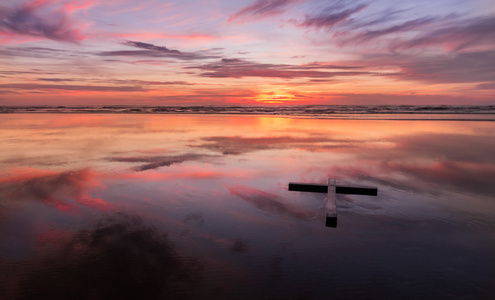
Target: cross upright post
x: 331, y: 189
x: 331, y: 205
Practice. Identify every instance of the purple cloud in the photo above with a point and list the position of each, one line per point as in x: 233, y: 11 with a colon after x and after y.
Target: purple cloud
x: 407, y: 26
x: 464, y: 67
x: 149, y: 82
x: 238, y: 68
x: 374, y: 19
x: 150, y: 50
x: 42, y: 53
x: 448, y: 32
x: 127, y: 82
x: 329, y: 17
x: 263, y: 8
x: 151, y: 47
x: 457, y: 36
x: 56, y: 79
x: 36, y: 19
x: 97, y: 88
x: 486, y: 86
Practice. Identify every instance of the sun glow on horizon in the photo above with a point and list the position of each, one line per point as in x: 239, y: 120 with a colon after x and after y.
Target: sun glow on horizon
x: 276, y: 97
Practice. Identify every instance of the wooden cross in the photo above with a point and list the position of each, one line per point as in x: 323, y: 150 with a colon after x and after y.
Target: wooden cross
x: 331, y: 189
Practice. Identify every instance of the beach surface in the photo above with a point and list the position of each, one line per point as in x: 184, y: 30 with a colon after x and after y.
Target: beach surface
x: 154, y: 206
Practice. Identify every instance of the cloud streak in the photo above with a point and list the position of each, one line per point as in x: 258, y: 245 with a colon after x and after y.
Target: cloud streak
x: 69, y: 87
x: 450, y: 32
x: 151, y: 50
x: 404, y: 27
x: 329, y: 17
x: 464, y: 34
x: 263, y: 8
x: 238, y: 68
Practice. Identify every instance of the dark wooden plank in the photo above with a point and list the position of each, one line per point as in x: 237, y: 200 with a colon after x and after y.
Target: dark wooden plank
x: 308, y: 187
x: 350, y: 190
x: 320, y: 188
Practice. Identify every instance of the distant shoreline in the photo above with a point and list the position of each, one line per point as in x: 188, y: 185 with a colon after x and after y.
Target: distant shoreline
x: 357, y: 112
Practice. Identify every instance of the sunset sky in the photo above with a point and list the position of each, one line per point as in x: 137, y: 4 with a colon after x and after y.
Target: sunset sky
x: 240, y: 52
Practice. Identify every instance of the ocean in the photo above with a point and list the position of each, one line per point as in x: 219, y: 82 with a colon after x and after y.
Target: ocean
x: 373, y: 112
x: 115, y: 202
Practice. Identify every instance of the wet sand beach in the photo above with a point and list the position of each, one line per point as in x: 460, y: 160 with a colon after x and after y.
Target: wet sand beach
x: 129, y: 206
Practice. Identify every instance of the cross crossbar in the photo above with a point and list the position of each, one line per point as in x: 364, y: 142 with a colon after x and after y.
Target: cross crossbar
x: 331, y: 189
x: 323, y: 188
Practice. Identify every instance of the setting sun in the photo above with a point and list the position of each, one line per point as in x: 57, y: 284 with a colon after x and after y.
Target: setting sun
x: 276, y: 97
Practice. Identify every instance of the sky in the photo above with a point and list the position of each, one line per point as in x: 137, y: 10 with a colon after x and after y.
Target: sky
x: 247, y: 52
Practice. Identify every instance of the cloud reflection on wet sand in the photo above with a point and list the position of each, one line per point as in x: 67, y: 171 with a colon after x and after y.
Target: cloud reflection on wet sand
x: 62, y: 190
x: 235, y: 145
x: 116, y: 257
x: 270, y: 203
x: 155, y: 162
x: 456, y: 162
